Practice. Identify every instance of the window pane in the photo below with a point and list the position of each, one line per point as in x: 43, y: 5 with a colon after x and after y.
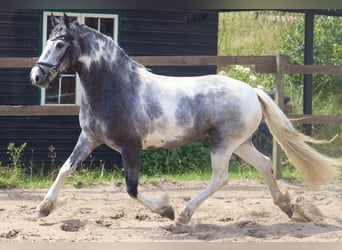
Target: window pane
x: 107, y: 26
x: 51, y: 93
x: 61, y: 90
x: 104, y: 25
x: 49, y: 26
x: 68, y: 91
x: 92, y: 22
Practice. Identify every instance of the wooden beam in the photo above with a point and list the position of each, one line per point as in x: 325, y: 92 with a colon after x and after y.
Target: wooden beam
x: 281, y: 62
x: 17, y: 62
x: 314, y: 69
x: 264, y: 64
x: 36, y: 110
x: 315, y: 119
x: 308, y: 60
x: 203, y: 60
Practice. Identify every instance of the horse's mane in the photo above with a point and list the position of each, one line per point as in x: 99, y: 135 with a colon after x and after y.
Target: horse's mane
x: 84, y: 30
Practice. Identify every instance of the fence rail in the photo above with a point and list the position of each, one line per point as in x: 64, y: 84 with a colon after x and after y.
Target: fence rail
x: 276, y: 64
x: 36, y: 110
x: 263, y: 64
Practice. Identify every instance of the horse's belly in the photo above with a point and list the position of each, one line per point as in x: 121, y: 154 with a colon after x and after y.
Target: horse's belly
x: 166, y: 139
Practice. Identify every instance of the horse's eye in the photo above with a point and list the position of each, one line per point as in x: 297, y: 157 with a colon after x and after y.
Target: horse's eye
x: 59, y: 45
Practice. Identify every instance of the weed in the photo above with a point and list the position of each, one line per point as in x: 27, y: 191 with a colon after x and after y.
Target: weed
x: 12, y: 175
x: 52, y: 156
x: 15, y: 154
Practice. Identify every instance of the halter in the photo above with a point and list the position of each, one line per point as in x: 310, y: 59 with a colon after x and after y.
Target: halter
x: 68, y: 40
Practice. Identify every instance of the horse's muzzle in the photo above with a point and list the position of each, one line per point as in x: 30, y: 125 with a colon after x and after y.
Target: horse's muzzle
x: 38, y: 77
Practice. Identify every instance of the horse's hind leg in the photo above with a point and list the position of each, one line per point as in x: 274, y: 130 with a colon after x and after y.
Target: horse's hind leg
x: 82, y: 149
x: 219, y: 164
x: 263, y: 164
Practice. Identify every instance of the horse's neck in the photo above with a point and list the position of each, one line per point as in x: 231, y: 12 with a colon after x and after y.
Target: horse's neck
x: 113, y: 76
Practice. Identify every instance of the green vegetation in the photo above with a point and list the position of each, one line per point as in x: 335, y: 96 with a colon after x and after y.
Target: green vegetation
x: 271, y: 33
x: 240, y: 33
x: 327, y: 51
x: 252, y: 32
x: 167, y: 165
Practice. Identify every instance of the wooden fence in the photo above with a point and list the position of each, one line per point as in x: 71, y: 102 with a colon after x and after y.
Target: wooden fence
x: 278, y: 65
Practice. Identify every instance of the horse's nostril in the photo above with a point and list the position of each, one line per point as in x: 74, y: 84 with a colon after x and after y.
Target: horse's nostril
x: 36, y: 78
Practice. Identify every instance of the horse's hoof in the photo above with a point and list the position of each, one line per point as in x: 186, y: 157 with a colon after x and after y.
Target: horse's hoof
x: 182, y: 222
x: 290, y: 211
x: 40, y: 214
x: 43, y: 210
x: 183, y: 219
x: 168, y: 213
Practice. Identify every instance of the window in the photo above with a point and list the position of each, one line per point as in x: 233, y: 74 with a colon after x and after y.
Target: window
x: 66, y: 90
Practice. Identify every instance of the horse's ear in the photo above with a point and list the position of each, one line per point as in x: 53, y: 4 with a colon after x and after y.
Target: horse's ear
x: 54, y: 20
x: 66, y: 20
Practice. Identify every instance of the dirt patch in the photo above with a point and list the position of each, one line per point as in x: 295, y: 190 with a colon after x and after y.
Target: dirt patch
x: 75, y: 225
x: 241, y: 211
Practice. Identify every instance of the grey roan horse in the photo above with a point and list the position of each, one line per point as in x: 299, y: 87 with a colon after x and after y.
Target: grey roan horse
x: 131, y: 109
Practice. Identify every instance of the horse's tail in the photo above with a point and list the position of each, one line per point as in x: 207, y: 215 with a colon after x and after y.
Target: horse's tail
x: 315, y: 167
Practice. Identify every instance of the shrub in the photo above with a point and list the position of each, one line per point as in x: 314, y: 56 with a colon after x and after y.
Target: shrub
x: 191, y: 157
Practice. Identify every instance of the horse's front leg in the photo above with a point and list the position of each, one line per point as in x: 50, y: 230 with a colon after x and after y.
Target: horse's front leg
x: 82, y: 149
x: 131, y: 161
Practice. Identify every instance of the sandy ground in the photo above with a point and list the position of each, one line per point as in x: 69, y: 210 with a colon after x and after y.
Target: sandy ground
x: 242, y: 211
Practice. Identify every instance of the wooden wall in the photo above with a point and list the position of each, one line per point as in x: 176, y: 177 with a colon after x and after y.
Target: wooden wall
x: 170, y: 33
x: 19, y: 37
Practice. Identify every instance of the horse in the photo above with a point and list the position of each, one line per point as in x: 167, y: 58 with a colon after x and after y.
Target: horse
x: 129, y: 108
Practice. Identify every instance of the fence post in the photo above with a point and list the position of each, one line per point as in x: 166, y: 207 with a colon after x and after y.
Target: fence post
x: 281, y: 62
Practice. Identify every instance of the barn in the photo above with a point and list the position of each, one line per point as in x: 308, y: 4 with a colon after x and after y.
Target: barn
x: 139, y: 32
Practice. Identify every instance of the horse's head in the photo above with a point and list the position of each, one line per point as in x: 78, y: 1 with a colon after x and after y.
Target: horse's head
x: 58, y: 54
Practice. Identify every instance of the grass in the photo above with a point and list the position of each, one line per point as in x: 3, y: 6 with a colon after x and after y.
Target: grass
x: 85, y: 178
x: 252, y: 33
x: 14, y: 178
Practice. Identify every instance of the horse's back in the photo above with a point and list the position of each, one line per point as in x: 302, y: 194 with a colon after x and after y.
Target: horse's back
x: 193, y: 107
x: 209, y: 86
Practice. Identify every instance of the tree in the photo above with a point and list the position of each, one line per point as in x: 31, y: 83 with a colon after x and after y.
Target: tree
x: 327, y: 51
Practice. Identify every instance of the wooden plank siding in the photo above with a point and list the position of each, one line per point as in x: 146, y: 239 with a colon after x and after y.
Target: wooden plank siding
x: 142, y: 33
x: 19, y: 33
x: 167, y: 33
x: 19, y: 37
x: 41, y: 132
